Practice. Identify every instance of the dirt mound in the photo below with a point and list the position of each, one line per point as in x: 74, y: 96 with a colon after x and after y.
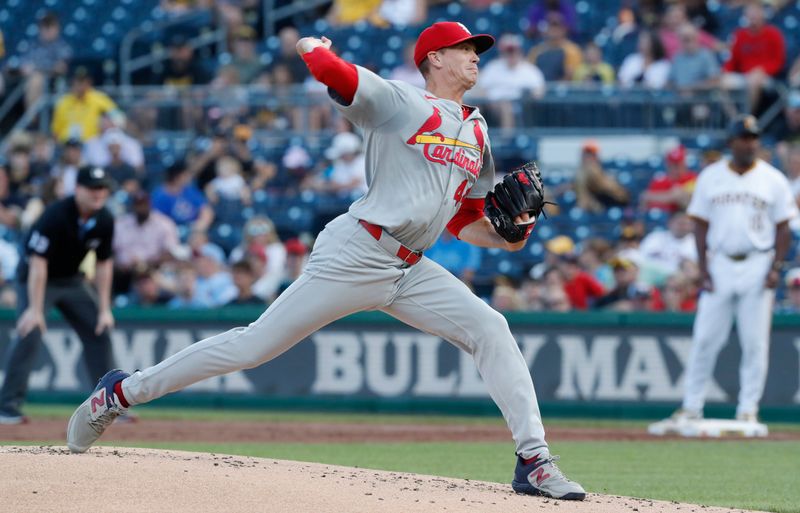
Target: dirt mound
x: 121, y: 479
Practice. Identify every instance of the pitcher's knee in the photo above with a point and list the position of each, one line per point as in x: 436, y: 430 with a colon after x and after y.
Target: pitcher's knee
x: 492, y: 327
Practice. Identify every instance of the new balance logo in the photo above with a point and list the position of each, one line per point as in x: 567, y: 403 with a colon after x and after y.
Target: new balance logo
x: 539, y: 475
x: 99, y: 400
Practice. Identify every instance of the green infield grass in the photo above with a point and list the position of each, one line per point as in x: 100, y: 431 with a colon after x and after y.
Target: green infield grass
x: 749, y: 474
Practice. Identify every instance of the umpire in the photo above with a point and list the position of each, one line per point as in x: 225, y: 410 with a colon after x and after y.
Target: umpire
x: 49, y: 276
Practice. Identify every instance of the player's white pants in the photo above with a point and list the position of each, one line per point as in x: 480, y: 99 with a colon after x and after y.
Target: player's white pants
x: 348, y: 272
x: 738, y: 292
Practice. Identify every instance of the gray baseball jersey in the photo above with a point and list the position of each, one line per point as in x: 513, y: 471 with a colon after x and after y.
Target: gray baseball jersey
x: 423, y: 158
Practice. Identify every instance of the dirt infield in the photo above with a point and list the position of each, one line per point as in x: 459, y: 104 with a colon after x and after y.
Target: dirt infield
x: 334, y: 432
x: 49, y: 479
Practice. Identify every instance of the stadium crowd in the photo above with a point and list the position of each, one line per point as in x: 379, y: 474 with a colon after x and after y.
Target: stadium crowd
x: 165, y: 253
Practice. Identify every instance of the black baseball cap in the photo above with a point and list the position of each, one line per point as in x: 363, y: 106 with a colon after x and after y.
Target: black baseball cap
x: 744, y: 126
x: 94, y: 177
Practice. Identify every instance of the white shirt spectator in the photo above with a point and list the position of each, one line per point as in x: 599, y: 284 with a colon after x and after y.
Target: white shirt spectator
x: 664, y: 251
x: 95, y: 151
x: 266, y: 287
x: 229, y: 187
x: 633, y: 72
x: 503, y: 82
x: 408, y: 74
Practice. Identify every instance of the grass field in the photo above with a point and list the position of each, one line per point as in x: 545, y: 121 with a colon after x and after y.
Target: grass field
x: 762, y: 475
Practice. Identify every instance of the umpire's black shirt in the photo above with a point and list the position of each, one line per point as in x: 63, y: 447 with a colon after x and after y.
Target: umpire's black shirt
x: 63, y: 239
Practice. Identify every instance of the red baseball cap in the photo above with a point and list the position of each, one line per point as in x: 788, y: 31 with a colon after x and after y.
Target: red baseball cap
x: 677, y: 155
x: 448, y: 33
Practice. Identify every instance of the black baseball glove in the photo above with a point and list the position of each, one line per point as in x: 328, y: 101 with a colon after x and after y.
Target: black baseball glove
x: 521, y: 191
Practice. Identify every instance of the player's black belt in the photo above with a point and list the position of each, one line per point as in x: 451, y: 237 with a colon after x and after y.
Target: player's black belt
x: 391, y: 244
x: 740, y: 257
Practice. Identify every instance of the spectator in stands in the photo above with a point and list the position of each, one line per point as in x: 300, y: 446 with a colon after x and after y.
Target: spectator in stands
x: 540, y: 10
x: 295, y: 167
x: 594, y: 70
x: 260, y: 240
x: 554, y: 248
x: 347, y: 12
x: 11, y: 204
x: 624, y: 37
x: 648, y: 67
x: 288, y: 56
x: 97, y: 152
x: 595, y: 189
x: 693, y: 67
x: 408, y: 71
x: 628, y: 294
x: 403, y: 13
x: 662, y: 252
x: 554, y: 295
x: 46, y: 59
x: 505, y: 297
x: 182, y: 69
x: 79, y: 113
x: 758, y: 54
x: 178, y: 199
x: 185, y: 291
x: 214, y: 286
x: 143, y: 239
x: 698, y: 13
x: 792, y: 302
x: 346, y: 177
x: 594, y: 259
x: 227, y: 143
x: 229, y: 183
x: 123, y: 174
x: 631, y: 234
x: 245, y: 58
x: 455, y: 255
x: 508, y: 78
x: 557, y: 57
x: 147, y: 291
x: 296, y: 257
x: 650, y: 12
x: 66, y: 169
x: 670, y: 32
x: 680, y: 294
x: 243, y: 279
x: 582, y: 288
x: 786, y: 129
x: 532, y: 294
x: 670, y: 191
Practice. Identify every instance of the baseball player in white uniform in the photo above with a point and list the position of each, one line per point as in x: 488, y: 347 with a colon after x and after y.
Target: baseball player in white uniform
x: 741, y: 207
x: 429, y: 166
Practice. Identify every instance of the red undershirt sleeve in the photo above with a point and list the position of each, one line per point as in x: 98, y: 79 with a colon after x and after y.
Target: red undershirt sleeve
x: 333, y: 71
x: 470, y: 211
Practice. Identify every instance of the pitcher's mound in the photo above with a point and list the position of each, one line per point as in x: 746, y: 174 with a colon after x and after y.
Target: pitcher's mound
x: 125, y: 479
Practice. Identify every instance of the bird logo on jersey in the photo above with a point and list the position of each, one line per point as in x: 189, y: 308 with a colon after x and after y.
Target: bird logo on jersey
x: 444, y: 150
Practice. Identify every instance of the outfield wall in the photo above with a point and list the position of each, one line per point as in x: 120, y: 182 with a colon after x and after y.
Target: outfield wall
x: 600, y: 363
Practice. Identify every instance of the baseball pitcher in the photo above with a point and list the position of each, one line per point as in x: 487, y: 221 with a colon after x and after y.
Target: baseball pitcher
x: 741, y: 208
x: 429, y: 167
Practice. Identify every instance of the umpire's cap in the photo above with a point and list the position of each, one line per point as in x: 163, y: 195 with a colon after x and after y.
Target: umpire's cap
x: 744, y: 126
x: 448, y: 33
x: 94, y: 177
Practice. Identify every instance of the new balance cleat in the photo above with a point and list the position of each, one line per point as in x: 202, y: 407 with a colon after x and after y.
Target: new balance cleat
x: 685, y: 415
x: 541, y: 476
x: 96, y: 413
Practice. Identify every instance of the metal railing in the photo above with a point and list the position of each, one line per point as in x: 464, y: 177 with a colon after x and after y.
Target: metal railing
x: 564, y: 110
x: 129, y: 64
